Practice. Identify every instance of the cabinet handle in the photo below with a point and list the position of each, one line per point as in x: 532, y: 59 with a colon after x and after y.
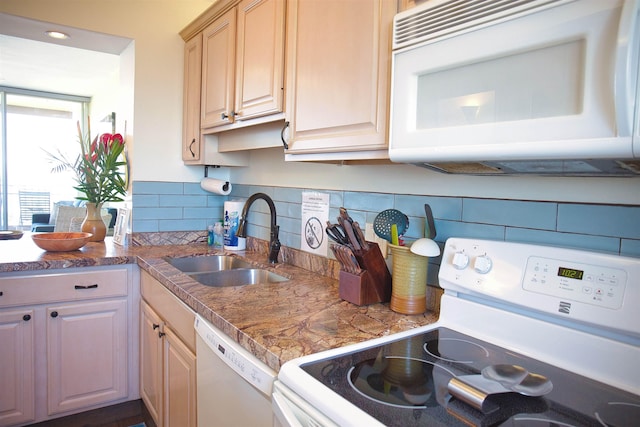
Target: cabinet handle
x: 155, y: 326
x: 54, y: 314
x: 94, y: 286
x: 161, y: 334
x: 26, y: 317
x: 1, y: 293
x: 225, y: 116
x: 284, y: 143
x: 193, y: 141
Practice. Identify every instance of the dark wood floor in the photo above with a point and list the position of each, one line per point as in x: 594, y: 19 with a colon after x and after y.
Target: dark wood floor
x: 122, y: 415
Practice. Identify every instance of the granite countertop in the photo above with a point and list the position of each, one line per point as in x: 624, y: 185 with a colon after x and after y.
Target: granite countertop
x: 275, y: 322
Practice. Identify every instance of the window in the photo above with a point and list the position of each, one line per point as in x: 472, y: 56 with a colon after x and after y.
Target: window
x: 34, y: 124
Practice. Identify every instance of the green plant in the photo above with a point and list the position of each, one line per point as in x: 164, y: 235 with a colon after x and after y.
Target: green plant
x: 98, y: 168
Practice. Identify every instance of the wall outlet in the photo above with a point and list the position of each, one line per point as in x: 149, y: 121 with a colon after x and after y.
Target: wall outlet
x: 371, y: 236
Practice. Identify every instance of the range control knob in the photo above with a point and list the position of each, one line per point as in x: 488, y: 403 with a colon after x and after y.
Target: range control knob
x: 482, y: 264
x: 460, y: 260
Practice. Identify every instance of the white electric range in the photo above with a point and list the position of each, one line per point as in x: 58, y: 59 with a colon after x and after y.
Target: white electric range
x: 527, y: 336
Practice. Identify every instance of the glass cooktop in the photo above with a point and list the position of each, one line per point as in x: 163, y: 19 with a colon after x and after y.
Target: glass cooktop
x: 416, y: 381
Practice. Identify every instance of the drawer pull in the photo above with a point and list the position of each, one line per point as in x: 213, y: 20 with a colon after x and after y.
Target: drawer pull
x: 155, y: 326
x: 26, y: 317
x: 161, y: 334
x: 94, y: 286
x: 1, y: 293
x: 54, y: 314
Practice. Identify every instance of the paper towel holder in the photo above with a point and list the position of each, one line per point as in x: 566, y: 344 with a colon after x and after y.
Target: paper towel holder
x: 206, y: 175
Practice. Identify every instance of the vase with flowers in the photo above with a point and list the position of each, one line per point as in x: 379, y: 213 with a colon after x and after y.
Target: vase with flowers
x: 98, y: 170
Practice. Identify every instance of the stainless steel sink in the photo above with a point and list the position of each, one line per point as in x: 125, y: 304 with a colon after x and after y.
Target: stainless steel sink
x: 223, y: 270
x: 238, y: 277
x: 206, y: 264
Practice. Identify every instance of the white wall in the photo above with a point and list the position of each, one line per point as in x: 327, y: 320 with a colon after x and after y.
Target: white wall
x: 156, y: 112
x: 157, y: 117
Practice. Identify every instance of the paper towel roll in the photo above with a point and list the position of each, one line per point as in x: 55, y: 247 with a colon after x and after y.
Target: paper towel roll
x: 216, y: 186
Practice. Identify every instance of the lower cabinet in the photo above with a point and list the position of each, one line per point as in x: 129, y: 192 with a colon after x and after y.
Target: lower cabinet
x: 65, y: 343
x: 167, y: 356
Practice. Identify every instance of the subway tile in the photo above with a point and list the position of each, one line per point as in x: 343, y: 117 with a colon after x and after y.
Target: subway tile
x: 290, y: 210
x: 158, y: 213
x: 209, y: 214
x: 567, y: 240
x: 155, y: 187
x: 182, y: 225
x: 145, y: 201
x: 603, y: 220
x: 441, y: 207
x: 538, y: 215
x: 194, y: 188
x: 145, y: 226
x: 359, y: 201
x: 591, y: 227
x: 216, y: 201
x: 282, y: 194
x: 448, y: 229
x: 178, y: 200
x: 630, y: 248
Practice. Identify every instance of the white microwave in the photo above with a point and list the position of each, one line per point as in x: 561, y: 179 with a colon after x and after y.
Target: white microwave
x: 517, y: 86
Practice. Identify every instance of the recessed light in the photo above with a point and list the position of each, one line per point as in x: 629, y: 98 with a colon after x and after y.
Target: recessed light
x: 57, y: 35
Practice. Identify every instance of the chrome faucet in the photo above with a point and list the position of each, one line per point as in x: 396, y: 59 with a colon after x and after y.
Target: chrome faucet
x: 274, y: 243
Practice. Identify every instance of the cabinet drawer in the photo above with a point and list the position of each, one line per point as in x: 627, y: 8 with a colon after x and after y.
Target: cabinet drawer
x: 174, y: 312
x: 47, y: 288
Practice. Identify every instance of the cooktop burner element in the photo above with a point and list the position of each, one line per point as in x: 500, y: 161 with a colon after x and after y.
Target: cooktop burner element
x: 465, y: 351
x: 413, y: 386
x: 546, y: 337
x: 397, y: 381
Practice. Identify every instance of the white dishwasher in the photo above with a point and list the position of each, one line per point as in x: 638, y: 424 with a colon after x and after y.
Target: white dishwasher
x: 234, y: 387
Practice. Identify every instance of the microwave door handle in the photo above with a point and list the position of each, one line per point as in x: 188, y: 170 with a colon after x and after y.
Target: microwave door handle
x: 625, y: 77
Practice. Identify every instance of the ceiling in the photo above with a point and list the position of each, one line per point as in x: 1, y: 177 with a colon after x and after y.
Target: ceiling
x: 30, y: 59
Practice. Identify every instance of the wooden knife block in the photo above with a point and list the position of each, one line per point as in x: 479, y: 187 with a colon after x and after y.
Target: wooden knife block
x: 373, y: 284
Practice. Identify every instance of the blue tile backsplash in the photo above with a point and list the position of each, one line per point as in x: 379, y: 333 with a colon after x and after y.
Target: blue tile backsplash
x: 170, y: 206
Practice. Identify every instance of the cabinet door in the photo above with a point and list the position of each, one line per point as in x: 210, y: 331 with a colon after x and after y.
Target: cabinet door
x: 86, y: 354
x: 259, y: 58
x: 151, y: 361
x: 338, y: 72
x: 191, y: 99
x: 179, y: 383
x: 17, y: 350
x: 218, y: 68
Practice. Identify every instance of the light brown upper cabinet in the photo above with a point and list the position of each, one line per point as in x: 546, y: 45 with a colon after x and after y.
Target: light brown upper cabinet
x: 243, y: 65
x: 338, y: 77
x: 191, y: 100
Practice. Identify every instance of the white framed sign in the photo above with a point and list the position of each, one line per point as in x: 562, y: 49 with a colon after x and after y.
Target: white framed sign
x: 120, y: 229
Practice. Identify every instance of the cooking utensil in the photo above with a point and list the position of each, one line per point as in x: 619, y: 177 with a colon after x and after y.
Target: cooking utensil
x: 336, y: 233
x: 394, y: 234
x: 383, y: 221
x: 338, y: 255
x: 353, y: 262
x: 425, y: 247
x: 431, y: 226
x: 348, y: 229
x: 347, y: 259
x: 360, y: 236
x: 496, y: 379
x: 345, y: 215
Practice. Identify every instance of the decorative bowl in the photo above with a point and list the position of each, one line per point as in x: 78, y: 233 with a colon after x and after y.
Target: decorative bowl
x: 61, y: 242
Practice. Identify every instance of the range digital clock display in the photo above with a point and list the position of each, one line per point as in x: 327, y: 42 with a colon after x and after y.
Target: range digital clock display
x: 571, y: 273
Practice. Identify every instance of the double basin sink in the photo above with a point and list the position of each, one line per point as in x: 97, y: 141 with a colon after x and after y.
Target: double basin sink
x: 223, y: 270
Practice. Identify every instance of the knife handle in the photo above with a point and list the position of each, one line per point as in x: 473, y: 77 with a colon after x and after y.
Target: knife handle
x: 348, y: 228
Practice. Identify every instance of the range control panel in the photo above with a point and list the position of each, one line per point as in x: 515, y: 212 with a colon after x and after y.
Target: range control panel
x: 591, y: 284
x: 591, y: 287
